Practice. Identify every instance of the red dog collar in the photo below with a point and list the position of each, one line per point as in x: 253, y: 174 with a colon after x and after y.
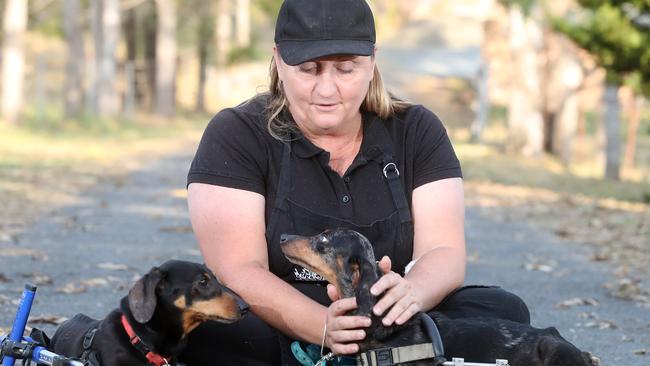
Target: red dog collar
x: 153, y: 358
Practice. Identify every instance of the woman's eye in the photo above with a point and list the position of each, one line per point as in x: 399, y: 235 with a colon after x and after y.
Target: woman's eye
x: 308, y: 68
x: 345, y: 67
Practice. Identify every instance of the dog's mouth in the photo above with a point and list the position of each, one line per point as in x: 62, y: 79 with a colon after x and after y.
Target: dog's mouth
x: 221, y: 319
x: 298, y: 261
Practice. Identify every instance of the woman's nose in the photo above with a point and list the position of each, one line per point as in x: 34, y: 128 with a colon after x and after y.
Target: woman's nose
x: 326, y: 84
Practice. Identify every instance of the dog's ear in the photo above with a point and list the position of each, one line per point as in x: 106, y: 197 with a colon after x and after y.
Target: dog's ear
x: 142, y: 296
x: 544, y: 348
x: 355, y: 274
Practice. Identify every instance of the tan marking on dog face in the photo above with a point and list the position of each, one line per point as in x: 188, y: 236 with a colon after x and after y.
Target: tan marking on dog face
x: 355, y: 275
x: 223, y: 309
x: 299, y: 252
x: 180, y: 303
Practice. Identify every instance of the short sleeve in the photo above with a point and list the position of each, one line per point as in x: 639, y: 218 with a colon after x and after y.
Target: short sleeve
x: 435, y: 158
x: 231, y: 153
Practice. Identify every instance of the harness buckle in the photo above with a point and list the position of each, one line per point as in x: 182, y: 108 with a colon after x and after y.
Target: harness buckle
x: 384, y: 356
x: 391, y: 169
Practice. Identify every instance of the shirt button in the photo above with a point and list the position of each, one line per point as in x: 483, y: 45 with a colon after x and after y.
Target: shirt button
x: 347, y: 179
x: 346, y: 199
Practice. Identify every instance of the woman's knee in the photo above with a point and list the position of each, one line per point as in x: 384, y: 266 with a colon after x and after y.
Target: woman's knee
x: 491, y: 301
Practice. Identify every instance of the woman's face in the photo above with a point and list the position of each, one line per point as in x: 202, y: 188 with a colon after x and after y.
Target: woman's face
x: 325, y: 94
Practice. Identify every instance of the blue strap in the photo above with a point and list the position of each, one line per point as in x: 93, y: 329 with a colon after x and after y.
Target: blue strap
x: 300, y: 354
x: 311, y: 353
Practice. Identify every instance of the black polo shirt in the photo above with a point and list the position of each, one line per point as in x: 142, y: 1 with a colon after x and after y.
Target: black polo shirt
x: 237, y: 151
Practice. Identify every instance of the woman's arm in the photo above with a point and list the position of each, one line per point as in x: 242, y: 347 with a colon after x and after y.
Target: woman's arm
x: 439, y: 248
x: 230, y: 228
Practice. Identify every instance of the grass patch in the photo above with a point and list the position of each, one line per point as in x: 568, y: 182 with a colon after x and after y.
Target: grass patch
x: 46, y: 163
x: 488, y: 163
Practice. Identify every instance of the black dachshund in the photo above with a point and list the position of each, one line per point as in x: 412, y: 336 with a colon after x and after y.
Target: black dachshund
x: 152, y: 323
x: 346, y: 259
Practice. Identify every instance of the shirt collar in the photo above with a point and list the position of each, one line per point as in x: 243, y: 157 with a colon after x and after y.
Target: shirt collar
x: 372, y: 143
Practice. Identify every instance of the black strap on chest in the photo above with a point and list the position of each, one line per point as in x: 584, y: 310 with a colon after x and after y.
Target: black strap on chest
x: 284, y: 185
x: 392, y: 175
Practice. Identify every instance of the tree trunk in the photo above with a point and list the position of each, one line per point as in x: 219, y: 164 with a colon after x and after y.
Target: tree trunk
x: 483, y: 103
x: 204, y: 37
x: 129, y: 29
x: 564, y: 78
x: 150, y: 35
x: 130, y: 34
x: 243, y: 23
x: 633, y: 105
x: 13, y: 58
x: 566, y: 125
x: 75, y: 65
x: 92, y: 68
x: 223, y: 31
x: 166, y: 58
x: 525, y: 123
x: 110, y: 30
x: 612, y: 133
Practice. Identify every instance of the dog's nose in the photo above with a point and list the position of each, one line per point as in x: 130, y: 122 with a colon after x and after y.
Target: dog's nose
x: 243, y: 307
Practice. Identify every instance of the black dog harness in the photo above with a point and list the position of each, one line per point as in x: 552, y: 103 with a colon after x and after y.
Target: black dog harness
x: 396, y: 355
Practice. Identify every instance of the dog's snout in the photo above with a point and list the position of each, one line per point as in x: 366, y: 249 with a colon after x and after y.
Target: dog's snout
x: 243, y: 307
x: 285, y: 238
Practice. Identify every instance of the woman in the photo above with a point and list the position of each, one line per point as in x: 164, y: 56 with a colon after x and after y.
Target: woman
x: 328, y: 147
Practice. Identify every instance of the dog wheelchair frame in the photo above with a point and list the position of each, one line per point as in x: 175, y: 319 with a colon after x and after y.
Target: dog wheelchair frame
x: 17, y: 347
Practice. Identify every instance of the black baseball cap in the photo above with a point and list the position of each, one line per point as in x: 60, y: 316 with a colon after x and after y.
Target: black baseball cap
x: 309, y: 29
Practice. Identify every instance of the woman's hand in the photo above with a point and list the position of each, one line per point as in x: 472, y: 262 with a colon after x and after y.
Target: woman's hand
x: 400, y: 296
x: 343, y: 330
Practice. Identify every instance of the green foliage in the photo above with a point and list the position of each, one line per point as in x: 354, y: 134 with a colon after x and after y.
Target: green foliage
x: 269, y: 7
x: 46, y: 19
x: 525, y: 5
x: 615, y: 33
x: 250, y: 53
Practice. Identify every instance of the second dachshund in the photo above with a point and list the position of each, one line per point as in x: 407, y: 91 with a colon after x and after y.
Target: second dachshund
x: 346, y: 259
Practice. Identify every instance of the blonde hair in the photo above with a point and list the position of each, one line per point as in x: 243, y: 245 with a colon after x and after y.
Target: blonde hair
x: 378, y: 100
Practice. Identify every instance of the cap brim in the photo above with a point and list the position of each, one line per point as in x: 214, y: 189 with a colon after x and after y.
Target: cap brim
x: 297, y: 52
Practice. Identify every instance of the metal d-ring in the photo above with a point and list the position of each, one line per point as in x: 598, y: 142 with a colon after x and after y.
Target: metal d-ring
x: 390, y: 166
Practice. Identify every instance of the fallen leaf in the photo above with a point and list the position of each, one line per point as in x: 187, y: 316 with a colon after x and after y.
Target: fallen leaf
x: 538, y: 267
x: 23, y: 252
x: 113, y: 266
x: 576, y: 301
x: 47, y: 319
x: 6, y: 238
x: 38, y: 279
x: 92, y: 282
x: 72, y: 288
x: 186, y: 229
x: 602, y: 324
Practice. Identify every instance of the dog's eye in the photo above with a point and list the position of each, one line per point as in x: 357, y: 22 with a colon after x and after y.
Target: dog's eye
x: 203, y: 282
